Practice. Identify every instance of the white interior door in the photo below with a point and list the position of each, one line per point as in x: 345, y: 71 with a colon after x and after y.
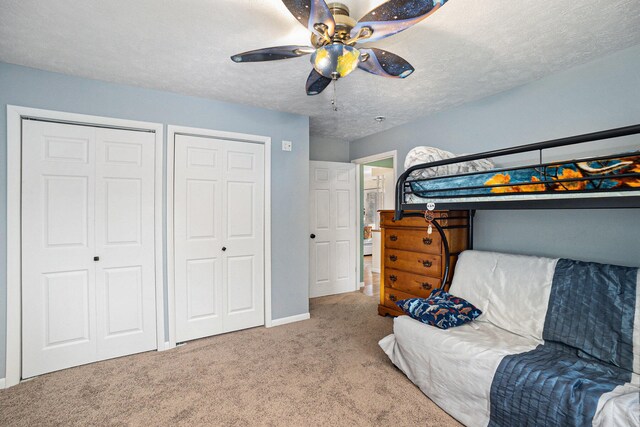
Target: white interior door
x: 218, y: 235
x: 88, y: 281
x: 332, y: 263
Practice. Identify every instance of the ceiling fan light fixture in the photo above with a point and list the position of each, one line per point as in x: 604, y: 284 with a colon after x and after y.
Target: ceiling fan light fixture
x: 334, y: 35
x: 335, y: 60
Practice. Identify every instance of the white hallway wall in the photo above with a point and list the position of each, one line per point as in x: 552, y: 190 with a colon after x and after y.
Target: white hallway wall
x: 595, y: 96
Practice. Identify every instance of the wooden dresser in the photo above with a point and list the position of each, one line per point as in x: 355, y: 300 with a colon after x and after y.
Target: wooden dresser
x: 412, y: 261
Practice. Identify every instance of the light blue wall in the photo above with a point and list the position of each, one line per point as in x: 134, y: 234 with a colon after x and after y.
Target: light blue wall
x: 328, y: 149
x: 599, y: 95
x: 290, y: 170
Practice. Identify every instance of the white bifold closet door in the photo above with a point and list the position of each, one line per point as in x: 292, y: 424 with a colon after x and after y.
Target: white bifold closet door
x: 218, y: 235
x: 88, y: 269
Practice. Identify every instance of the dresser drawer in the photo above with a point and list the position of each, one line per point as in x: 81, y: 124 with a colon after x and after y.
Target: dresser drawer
x: 420, y: 286
x: 413, y: 240
x: 413, y: 262
x: 392, y: 295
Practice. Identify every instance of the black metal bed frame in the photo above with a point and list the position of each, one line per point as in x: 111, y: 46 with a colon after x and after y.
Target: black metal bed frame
x: 417, y: 209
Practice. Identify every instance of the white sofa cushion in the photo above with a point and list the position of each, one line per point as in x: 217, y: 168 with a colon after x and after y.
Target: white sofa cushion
x: 511, y: 290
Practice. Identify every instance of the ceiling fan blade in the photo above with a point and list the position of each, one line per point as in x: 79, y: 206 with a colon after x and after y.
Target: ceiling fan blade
x: 273, y: 53
x: 394, y: 16
x: 316, y: 82
x: 312, y: 12
x: 383, y: 63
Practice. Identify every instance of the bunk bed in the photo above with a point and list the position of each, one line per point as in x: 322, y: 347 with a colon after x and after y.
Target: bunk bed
x: 538, y: 352
x: 610, y: 181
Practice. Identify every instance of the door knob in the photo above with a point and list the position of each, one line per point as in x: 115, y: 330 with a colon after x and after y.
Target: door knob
x: 224, y: 248
x: 313, y: 236
x: 96, y: 258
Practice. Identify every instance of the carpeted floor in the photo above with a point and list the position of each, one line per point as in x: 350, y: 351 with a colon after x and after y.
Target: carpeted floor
x: 327, y: 370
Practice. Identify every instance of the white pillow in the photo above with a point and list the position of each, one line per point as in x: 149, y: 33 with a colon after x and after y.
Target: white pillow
x: 422, y: 154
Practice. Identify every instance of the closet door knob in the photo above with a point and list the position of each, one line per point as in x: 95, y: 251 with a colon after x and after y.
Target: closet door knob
x: 96, y: 258
x: 224, y: 248
x: 313, y: 236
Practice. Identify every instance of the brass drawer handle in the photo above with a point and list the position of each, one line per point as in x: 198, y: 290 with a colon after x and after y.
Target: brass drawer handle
x: 393, y: 298
x: 393, y: 258
x: 393, y: 237
x: 426, y: 286
x: 426, y: 263
x: 393, y: 277
x: 427, y: 241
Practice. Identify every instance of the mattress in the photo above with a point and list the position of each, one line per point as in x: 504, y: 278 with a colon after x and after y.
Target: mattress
x: 596, y: 177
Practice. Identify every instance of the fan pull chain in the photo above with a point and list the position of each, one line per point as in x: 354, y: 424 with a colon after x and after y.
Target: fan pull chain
x: 334, y: 101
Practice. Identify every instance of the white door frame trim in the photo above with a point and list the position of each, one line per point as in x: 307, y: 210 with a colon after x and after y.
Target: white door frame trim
x: 362, y: 160
x: 232, y: 136
x: 15, y: 114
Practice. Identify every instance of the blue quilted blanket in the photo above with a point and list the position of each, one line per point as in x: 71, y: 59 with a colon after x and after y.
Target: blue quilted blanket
x: 587, y: 352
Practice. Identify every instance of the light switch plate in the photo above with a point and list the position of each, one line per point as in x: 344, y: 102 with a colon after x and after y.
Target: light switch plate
x: 286, y: 145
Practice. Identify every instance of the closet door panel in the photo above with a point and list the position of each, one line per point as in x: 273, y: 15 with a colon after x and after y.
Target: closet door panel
x: 244, y: 235
x: 197, y: 236
x: 58, y: 276
x: 125, y: 242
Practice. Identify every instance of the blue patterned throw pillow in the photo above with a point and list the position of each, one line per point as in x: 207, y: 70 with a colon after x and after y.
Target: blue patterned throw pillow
x: 440, y: 309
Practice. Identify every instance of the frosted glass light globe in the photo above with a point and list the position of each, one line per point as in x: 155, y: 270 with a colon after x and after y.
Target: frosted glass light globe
x: 335, y: 60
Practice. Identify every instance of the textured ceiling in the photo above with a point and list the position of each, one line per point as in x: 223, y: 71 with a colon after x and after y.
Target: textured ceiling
x: 465, y: 51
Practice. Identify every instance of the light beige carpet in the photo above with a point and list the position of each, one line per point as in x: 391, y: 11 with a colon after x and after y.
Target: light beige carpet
x: 327, y: 370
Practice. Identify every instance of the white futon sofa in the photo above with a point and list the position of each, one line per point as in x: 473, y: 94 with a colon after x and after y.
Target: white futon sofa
x: 558, y: 343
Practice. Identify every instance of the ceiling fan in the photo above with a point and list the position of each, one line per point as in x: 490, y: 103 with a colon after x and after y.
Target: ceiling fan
x: 336, y: 39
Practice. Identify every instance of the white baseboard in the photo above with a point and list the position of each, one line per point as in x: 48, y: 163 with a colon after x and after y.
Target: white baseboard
x: 2, y: 383
x: 290, y: 319
x: 165, y: 346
